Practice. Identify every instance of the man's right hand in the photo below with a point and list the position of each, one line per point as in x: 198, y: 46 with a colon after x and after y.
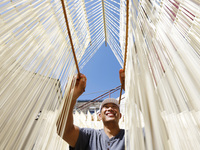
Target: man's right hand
x: 79, y: 86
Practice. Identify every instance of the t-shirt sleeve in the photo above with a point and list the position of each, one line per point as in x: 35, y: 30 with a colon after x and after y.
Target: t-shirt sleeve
x: 83, y: 139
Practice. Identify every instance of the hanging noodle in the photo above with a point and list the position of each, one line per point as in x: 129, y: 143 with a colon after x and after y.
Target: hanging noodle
x: 163, y: 74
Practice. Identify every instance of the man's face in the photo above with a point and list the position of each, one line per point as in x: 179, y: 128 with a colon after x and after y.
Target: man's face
x: 110, y: 113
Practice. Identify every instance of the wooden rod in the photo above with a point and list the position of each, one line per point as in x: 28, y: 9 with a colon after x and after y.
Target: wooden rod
x: 126, y: 42
x: 104, y: 21
x: 69, y: 33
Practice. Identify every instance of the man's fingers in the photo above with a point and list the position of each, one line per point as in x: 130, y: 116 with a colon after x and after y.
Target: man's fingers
x: 82, y: 83
x: 83, y: 79
x: 122, y: 74
x: 122, y: 77
x: 80, y: 80
x: 79, y: 86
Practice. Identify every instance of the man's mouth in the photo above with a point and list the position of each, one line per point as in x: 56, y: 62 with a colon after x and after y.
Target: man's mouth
x: 110, y: 114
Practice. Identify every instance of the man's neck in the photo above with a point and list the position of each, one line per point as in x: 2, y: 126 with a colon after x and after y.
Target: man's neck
x: 111, y: 130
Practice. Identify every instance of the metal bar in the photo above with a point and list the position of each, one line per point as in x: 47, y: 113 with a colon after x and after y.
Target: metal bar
x: 99, y: 97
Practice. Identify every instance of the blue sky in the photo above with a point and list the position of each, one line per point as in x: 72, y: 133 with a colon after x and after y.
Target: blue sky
x: 102, y: 72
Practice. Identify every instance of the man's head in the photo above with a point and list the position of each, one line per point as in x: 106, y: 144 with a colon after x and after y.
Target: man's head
x: 110, y: 111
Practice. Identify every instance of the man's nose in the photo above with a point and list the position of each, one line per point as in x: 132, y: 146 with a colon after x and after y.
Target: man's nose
x: 110, y: 108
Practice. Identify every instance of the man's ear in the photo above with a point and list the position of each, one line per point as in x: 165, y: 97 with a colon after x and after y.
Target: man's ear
x: 120, y: 115
x: 99, y: 116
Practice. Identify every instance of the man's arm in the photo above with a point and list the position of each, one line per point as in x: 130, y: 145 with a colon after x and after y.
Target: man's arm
x: 71, y: 131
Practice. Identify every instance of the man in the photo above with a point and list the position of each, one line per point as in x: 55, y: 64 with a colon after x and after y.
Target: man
x: 111, y: 137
